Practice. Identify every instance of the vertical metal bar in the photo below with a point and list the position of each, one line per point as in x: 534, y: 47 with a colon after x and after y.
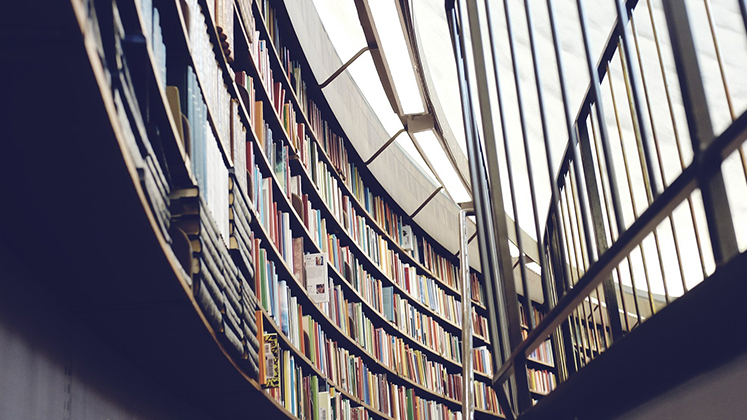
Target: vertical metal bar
x: 743, y: 9
x: 639, y: 126
x: 468, y: 374
x: 659, y: 161
x: 509, y: 301
x: 641, y: 160
x: 710, y: 178
x: 571, y: 244
x: 572, y: 135
x: 570, y: 363
x: 492, y: 230
x: 722, y: 70
x: 609, y: 163
x: 574, y: 195
x: 609, y: 220
x: 554, y: 193
x: 595, y: 207
x: 511, y: 184
x: 678, y: 142
x: 630, y: 186
x: 522, y: 124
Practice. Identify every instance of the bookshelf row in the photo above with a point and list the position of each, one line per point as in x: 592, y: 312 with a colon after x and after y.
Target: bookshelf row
x: 326, y: 206
x: 379, y: 214
x: 374, y: 333
x: 541, y: 372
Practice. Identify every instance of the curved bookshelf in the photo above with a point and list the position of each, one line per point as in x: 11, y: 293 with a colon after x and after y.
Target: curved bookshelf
x: 340, y: 178
x: 173, y: 270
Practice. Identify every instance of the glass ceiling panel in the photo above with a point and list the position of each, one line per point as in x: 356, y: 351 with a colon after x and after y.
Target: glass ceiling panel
x: 432, y: 148
x: 389, y: 29
x: 435, y: 43
x: 340, y: 19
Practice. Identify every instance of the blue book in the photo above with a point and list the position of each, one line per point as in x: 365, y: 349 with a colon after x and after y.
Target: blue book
x: 283, y: 298
x: 388, y: 304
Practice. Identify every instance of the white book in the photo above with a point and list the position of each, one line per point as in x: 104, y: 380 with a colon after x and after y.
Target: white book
x: 317, y: 282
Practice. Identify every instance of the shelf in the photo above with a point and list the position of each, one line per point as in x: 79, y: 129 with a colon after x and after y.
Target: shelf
x: 129, y: 295
x: 322, y: 205
x: 173, y: 146
x: 319, y: 315
x: 290, y: 92
x: 148, y: 298
x: 296, y: 219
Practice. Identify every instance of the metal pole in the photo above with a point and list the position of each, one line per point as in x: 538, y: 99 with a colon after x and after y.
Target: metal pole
x: 468, y: 371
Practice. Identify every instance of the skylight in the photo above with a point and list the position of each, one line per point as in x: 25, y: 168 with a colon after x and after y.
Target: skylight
x: 389, y: 29
x: 437, y: 156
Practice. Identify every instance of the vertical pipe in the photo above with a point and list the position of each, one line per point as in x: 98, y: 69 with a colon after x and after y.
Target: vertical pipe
x: 468, y: 374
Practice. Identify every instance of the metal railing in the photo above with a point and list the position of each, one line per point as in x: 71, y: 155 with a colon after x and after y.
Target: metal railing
x: 647, y: 198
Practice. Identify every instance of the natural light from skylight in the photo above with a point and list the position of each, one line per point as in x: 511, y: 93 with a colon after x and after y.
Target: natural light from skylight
x: 394, y: 47
x: 433, y: 150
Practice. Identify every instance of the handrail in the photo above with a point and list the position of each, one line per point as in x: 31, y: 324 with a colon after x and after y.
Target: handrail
x: 622, y: 195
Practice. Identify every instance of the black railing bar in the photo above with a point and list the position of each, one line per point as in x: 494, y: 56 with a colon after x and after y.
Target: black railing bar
x: 637, y: 120
x: 678, y: 142
x: 574, y: 181
x: 610, y: 223
x: 650, y: 172
x: 586, y: 262
x: 710, y: 178
x: 587, y: 102
x: 743, y: 10
x: 493, y: 233
x: 600, y: 227
x: 522, y: 119
x: 630, y: 190
x: 571, y: 244
x: 509, y: 169
x: 609, y: 163
x: 720, y: 62
x: 573, y: 265
x: 630, y: 187
x: 573, y: 145
x: 554, y: 193
x: 665, y: 203
x: 658, y: 157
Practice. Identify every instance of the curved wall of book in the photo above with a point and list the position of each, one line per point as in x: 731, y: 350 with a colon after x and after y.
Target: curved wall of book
x: 259, y: 267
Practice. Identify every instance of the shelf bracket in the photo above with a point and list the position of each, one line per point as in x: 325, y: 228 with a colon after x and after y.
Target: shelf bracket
x: 383, y: 147
x: 345, y: 66
x: 427, y: 200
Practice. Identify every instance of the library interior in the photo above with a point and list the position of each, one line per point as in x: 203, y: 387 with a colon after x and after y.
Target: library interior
x: 373, y: 209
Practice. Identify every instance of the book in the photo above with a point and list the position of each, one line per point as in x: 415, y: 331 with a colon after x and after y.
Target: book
x: 406, y: 238
x: 317, y: 281
x: 271, y: 361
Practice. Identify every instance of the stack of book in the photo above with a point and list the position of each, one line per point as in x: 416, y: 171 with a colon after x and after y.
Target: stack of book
x: 220, y: 287
x: 124, y: 55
